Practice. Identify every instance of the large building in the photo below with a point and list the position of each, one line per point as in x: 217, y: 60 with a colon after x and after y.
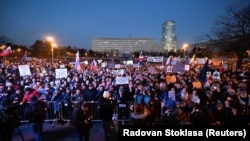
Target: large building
x: 125, y: 45
x: 168, y: 39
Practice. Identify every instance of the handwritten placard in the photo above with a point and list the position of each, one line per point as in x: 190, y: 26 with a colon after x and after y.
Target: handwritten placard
x: 24, y: 70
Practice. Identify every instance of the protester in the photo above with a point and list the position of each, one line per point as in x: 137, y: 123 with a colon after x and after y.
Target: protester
x: 82, y: 121
x: 9, y: 120
x: 36, y: 114
x: 106, y: 106
x: 139, y: 114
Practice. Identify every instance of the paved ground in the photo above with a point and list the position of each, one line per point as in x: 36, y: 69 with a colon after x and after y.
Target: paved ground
x: 58, y: 132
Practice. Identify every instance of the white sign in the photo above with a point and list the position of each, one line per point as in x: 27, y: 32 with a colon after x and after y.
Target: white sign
x: 130, y: 62
x: 171, y: 95
x: 117, y: 66
x: 104, y: 64
x: 121, y: 80
x: 24, y: 70
x: 187, y: 67
x: 170, y: 69
x: 61, y: 73
x: 201, y: 60
x: 216, y: 75
x: 154, y: 59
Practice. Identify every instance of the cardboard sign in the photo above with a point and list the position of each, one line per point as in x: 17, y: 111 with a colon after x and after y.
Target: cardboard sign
x: 170, y: 78
x: 197, y: 84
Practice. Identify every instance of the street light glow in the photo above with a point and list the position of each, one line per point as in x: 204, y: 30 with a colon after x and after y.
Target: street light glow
x: 184, y: 47
x: 50, y: 39
x: 53, y: 44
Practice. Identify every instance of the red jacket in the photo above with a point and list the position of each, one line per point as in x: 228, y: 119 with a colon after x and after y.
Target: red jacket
x: 28, y: 95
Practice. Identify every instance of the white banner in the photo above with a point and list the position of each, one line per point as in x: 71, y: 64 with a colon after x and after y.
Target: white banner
x: 154, y: 59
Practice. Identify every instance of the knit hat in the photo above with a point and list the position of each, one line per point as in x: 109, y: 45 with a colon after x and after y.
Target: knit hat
x: 106, y: 94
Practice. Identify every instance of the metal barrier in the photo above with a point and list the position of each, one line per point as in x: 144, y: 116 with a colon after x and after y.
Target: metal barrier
x: 53, y: 113
x: 63, y: 111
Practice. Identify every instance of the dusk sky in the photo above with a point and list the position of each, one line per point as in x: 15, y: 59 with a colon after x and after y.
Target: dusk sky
x: 76, y: 22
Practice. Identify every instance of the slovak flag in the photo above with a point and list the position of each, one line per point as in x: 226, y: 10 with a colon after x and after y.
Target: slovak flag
x: 6, y: 52
x: 77, y: 62
x: 24, y: 57
x: 93, y: 66
x: 192, y: 60
x: 141, y: 57
x: 169, y: 59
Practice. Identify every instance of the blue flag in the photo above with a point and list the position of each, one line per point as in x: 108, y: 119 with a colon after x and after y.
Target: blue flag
x: 203, y: 73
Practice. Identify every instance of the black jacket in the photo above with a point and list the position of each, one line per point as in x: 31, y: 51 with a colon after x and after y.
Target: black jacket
x: 79, y: 117
x: 37, y: 111
x: 106, y: 108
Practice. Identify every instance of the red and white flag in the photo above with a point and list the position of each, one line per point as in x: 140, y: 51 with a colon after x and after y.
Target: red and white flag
x: 77, y: 62
x: 141, y: 57
x: 6, y: 52
x: 192, y: 60
x: 24, y: 57
x: 93, y: 66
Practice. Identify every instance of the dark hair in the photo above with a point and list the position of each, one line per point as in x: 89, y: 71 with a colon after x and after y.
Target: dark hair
x: 86, y: 105
x: 27, y: 89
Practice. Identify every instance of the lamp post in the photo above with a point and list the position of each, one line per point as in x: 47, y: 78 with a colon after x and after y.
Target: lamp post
x: 51, y: 40
x: 184, y: 47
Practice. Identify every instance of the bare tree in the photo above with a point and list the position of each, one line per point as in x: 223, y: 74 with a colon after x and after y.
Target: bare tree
x: 233, y: 30
x: 5, y: 40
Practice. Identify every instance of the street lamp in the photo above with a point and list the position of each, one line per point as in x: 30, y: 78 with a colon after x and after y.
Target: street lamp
x: 51, y: 40
x: 184, y: 47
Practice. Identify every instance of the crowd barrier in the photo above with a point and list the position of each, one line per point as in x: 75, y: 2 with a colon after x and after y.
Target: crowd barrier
x: 63, y: 111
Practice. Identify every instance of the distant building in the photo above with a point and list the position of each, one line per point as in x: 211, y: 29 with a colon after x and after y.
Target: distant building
x: 125, y: 45
x: 168, y: 39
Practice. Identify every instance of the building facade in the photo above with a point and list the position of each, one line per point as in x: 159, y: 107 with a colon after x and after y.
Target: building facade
x: 125, y: 45
x: 169, y: 38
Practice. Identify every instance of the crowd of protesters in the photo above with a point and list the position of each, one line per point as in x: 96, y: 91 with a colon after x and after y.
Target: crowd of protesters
x: 223, y: 101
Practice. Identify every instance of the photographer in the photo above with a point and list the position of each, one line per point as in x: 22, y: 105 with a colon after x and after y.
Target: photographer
x: 82, y: 120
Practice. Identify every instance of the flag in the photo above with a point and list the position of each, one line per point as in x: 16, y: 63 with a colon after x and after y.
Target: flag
x: 77, y: 62
x: 203, y: 73
x: 192, y: 59
x: 186, y: 61
x: 24, y: 57
x: 176, y: 60
x: 93, y: 66
x: 141, y: 57
x: 6, y: 52
x: 169, y: 59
